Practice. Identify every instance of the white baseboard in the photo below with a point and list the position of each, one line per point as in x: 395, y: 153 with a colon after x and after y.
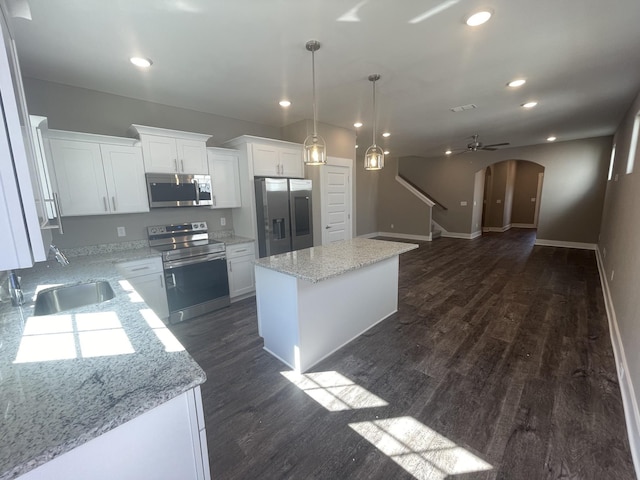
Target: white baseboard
x: 629, y: 402
x: 467, y: 236
x: 523, y: 225
x: 559, y: 243
x: 475, y: 234
x: 369, y: 235
x: 497, y: 229
x: 406, y: 236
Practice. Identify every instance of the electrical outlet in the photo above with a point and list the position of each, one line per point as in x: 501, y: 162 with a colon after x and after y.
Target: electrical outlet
x: 392, y: 226
x: 223, y: 221
x: 533, y: 199
x: 612, y: 273
x: 463, y: 203
x: 122, y: 232
x: 499, y: 201
x: 604, y: 252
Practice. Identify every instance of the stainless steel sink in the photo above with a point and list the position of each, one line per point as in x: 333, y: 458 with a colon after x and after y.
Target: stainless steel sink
x: 66, y: 297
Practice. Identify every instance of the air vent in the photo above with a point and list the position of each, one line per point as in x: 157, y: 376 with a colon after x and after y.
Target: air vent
x: 462, y: 108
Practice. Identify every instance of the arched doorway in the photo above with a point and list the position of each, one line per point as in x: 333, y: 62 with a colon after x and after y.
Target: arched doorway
x: 511, y: 195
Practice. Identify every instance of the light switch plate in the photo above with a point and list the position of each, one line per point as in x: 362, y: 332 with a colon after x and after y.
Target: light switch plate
x: 463, y: 204
x: 122, y: 232
x: 223, y: 221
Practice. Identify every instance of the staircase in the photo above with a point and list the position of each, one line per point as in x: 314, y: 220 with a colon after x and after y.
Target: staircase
x: 435, y: 229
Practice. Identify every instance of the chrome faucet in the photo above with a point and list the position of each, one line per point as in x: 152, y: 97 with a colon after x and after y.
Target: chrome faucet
x: 60, y: 257
x: 17, y: 298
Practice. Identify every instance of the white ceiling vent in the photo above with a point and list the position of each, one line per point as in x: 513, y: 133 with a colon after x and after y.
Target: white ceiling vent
x: 462, y: 108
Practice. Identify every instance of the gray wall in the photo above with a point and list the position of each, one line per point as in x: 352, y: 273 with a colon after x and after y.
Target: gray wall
x: 89, y: 111
x: 100, y: 229
x: 478, y: 197
x: 399, y: 211
x: 526, y: 188
x: 572, y: 195
x: 620, y: 249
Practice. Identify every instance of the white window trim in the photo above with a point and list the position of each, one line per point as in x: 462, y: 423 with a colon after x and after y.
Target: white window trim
x: 612, y: 162
x: 633, y: 148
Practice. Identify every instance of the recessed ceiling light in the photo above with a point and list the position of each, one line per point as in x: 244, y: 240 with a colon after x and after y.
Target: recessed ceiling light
x: 448, y: 152
x: 386, y: 134
x: 516, y: 83
x: 141, y: 62
x: 529, y: 104
x: 551, y: 139
x: 357, y: 124
x: 478, y: 18
x: 386, y: 152
x: 284, y: 103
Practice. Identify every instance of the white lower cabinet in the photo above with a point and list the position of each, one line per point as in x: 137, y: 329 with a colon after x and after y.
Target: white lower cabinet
x: 147, y: 279
x: 166, y: 443
x: 240, y: 267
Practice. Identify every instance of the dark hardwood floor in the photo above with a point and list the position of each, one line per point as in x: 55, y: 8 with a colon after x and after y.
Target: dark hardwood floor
x: 497, y: 365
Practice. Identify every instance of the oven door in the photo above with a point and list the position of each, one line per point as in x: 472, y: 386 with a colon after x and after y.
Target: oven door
x: 196, y: 286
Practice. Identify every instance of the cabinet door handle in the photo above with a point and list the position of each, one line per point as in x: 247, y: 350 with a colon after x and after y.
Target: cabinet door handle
x: 59, y: 211
x: 113, y: 200
x: 175, y: 161
x: 230, y: 268
x: 215, y: 202
x: 139, y: 269
x: 161, y: 281
x: 240, y: 251
x: 106, y: 205
x: 182, y: 164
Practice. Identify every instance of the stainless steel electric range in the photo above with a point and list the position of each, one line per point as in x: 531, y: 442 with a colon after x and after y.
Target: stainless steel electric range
x: 195, y: 269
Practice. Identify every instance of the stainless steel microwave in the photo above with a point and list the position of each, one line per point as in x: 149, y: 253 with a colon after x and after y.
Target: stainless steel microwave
x: 178, y: 190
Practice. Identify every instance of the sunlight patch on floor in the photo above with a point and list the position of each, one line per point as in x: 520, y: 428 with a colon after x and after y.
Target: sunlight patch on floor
x: 334, y: 391
x: 419, y: 450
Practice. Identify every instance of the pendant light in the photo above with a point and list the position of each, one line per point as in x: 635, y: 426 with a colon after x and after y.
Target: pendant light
x: 315, y: 150
x: 374, y: 157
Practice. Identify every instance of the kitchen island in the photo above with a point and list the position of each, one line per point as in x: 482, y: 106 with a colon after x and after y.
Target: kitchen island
x: 311, y: 302
x: 101, y: 391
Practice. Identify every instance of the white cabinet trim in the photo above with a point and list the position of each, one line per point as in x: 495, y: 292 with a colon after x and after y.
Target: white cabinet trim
x: 91, y: 137
x: 137, y: 130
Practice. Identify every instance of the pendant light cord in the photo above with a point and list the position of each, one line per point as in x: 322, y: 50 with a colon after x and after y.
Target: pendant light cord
x: 374, y: 112
x: 313, y: 74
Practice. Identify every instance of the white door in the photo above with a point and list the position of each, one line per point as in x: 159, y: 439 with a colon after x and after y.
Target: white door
x: 336, y: 201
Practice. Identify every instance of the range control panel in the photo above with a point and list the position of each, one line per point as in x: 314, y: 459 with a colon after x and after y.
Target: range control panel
x: 179, y: 229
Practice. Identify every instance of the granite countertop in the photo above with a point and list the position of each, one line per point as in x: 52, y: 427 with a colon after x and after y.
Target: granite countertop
x: 234, y: 240
x: 69, y: 377
x: 320, y: 263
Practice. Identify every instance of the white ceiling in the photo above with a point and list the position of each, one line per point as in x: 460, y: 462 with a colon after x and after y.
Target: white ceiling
x: 238, y: 58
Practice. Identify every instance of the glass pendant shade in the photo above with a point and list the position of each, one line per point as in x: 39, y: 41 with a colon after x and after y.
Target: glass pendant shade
x: 374, y: 158
x: 315, y: 151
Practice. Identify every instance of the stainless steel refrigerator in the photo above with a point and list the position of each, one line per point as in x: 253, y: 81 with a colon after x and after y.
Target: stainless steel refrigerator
x: 283, y: 211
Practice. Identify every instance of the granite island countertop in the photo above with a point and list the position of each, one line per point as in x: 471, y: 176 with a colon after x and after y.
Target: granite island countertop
x: 69, y: 377
x: 320, y: 263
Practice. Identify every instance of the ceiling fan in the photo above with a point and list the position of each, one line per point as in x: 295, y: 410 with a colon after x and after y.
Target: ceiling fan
x: 476, y: 145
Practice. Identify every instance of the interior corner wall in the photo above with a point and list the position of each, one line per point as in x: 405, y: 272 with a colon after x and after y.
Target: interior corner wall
x: 526, y: 189
x: 399, y: 211
x: 619, y: 252
x: 508, y: 193
x: 495, y: 217
x: 572, y: 195
x: 478, y: 196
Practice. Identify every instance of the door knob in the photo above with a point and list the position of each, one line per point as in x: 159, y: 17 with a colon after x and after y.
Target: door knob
x: 327, y: 227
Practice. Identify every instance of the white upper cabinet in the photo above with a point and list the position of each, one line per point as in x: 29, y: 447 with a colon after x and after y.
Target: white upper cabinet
x: 277, y: 161
x: 225, y: 179
x: 20, y: 215
x: 95, y: 177
x: 124, y: 174
x: 172, y: 151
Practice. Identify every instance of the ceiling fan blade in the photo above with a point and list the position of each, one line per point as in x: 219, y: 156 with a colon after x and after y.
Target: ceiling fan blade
x: 497, y: 145
x: 489, y: 148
